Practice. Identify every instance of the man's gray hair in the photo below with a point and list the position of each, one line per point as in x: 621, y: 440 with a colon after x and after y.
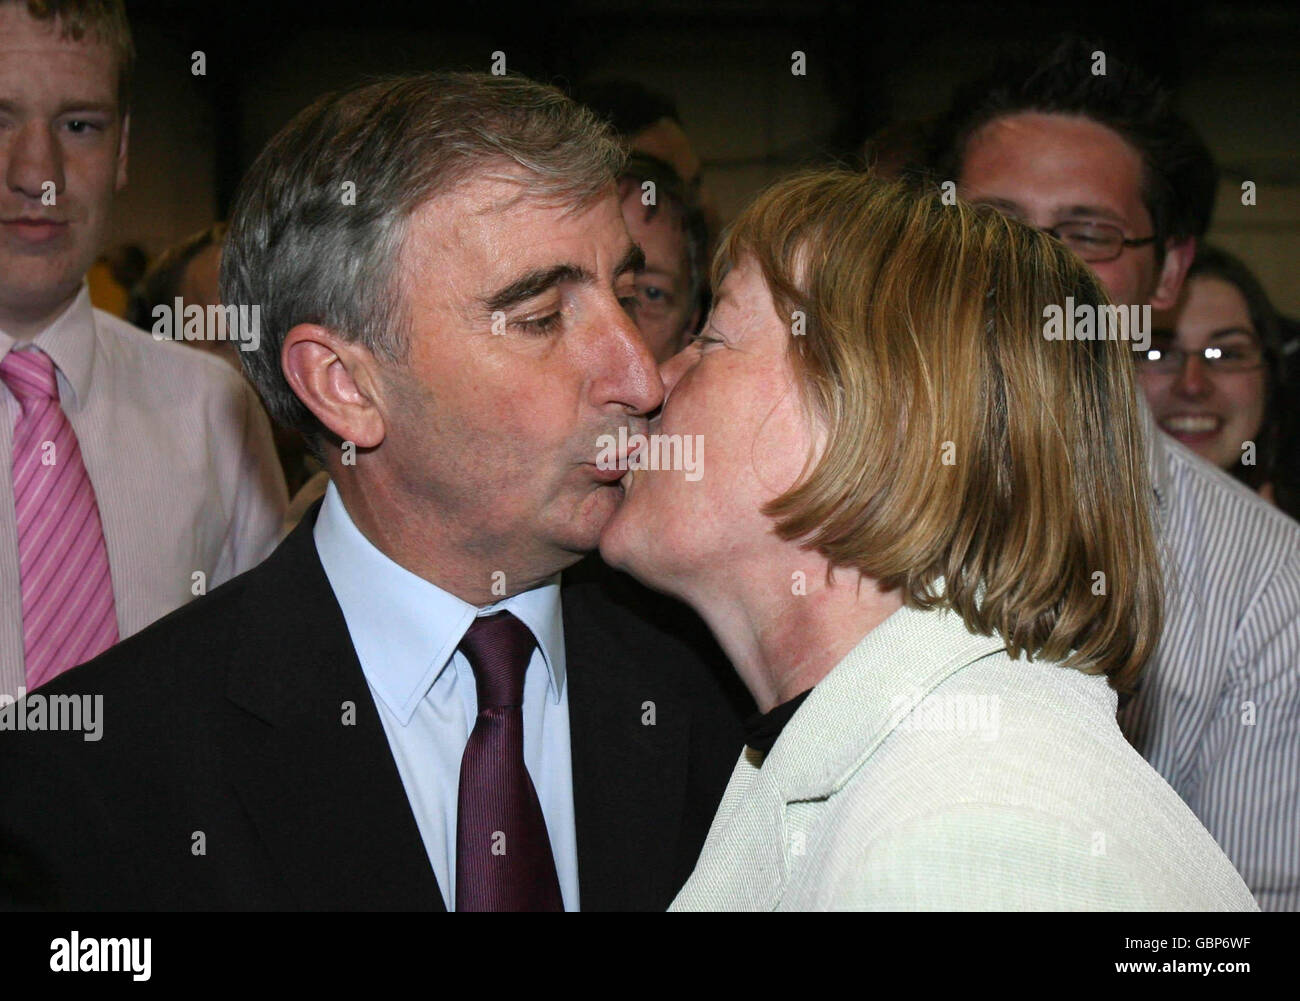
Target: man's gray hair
x: 319, y: 222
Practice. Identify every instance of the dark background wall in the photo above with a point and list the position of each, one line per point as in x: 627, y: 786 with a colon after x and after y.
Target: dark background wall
x: 1235, y: 67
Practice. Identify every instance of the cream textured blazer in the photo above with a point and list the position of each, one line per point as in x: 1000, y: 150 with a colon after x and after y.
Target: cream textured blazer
x: 930, y: 771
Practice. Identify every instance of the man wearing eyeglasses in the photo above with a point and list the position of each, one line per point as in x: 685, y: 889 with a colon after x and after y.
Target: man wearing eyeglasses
x: 1089, y: 150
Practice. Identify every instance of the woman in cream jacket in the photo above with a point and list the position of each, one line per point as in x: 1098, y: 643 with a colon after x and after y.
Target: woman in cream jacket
x: 922, y: 532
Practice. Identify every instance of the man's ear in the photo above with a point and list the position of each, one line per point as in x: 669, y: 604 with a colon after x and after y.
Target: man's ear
x: 122, y: 142
x: 336, y: 380
x: 1178, y: 258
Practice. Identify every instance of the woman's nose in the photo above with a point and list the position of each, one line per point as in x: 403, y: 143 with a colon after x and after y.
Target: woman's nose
x: 675, y: 367
x: 1194, y: 377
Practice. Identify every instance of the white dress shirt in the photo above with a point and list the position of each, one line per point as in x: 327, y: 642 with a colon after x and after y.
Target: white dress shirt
x: 180, y: 454
x: 1218, y: 713
x: 406, y: 632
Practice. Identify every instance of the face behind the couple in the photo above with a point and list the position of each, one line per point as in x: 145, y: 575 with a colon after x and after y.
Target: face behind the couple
x: 63, y: 142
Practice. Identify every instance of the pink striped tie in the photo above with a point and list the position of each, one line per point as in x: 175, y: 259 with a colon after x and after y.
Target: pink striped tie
x: 68, y: 614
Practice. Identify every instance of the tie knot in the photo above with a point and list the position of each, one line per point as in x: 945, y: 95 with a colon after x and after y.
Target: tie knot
x: 498, y: 648
x: 29, y: 376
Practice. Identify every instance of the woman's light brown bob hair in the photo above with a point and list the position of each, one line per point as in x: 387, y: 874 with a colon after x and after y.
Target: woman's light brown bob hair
x: 960, y: 443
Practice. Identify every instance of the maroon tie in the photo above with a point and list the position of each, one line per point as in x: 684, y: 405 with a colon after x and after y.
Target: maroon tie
x: 503, y: 854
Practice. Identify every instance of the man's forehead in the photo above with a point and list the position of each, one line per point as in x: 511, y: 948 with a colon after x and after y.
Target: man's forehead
x: 1067, y: 164
x: 20, y: 32
x: 88, y: 65
x: 503, y: 218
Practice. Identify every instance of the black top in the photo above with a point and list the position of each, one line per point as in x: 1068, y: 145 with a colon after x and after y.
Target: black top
x: 762, y: 729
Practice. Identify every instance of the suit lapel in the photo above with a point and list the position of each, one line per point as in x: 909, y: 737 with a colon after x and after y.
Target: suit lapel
x: 629, y: 775
x: 306, y: 752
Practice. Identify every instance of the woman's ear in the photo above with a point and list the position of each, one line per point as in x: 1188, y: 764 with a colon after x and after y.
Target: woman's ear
x: 336, y: 380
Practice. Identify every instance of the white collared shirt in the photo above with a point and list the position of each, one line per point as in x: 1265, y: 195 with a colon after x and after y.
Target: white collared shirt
x: 1218, y: 711
x: 406, y: 631
x: 179, y: 452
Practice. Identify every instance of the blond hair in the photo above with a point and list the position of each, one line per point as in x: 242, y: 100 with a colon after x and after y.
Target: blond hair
x: 969, y: 461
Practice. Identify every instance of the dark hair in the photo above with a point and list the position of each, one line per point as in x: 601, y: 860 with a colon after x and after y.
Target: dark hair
x: 161, y: 284
x: 668, y: 184
x: 1179, y: 175
x: 104, y: 20
x: 321, y: 217
x: 627, y: 106
x: 1214, y: 262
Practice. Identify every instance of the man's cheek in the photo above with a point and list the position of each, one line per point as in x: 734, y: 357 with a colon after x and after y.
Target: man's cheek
x: 1119, y: 283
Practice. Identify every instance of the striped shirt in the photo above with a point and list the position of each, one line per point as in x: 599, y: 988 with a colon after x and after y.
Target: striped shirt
x: 1218, y: 710
x: 181, y: 457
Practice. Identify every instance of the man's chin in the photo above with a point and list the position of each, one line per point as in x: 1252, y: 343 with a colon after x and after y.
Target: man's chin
x: 582, y: 531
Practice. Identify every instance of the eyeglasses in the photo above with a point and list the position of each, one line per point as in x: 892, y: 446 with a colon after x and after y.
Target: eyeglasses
x: 1234, y: 358
x: 1095, y: 242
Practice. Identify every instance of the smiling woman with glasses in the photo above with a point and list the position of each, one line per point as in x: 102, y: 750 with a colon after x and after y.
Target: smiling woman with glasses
x: 1213, y: 371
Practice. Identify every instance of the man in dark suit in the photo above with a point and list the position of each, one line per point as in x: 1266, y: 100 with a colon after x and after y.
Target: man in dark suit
x: 406, y: 706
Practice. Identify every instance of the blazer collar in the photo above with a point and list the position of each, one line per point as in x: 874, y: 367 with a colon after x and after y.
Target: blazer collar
x: 865, y: 697
x: 1156, y: 446
x: 72, y: 342
x: 840, y: 725
x: 306, y: 752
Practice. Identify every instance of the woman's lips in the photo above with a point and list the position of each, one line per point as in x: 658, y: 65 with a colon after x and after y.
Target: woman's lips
x: 1192, y: 428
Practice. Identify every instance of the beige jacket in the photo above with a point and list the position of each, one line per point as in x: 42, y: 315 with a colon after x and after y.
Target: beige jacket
x: 930, y: 771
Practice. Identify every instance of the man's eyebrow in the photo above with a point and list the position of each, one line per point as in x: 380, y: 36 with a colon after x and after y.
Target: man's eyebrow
x: 84, y: 107
x: 67, y: 107
x: 1089, y: 212
x: 633, y: 260
x: 534, y: 283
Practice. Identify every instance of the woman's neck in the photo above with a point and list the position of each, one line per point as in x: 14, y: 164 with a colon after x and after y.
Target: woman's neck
x: 785, y: 629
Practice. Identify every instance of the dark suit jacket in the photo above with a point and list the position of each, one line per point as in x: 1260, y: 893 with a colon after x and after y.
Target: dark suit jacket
x: 226, y: 718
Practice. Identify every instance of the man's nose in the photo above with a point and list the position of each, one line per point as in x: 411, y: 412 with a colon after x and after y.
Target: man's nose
x: 631, y: 376
x: 34, y: 160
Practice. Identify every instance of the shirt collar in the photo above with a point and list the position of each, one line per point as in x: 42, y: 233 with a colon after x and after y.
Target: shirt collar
x: 70, y: 342
x: 405, y: 629
x: 1155, y: 457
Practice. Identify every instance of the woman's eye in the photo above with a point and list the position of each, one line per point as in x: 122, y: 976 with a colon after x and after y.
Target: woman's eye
x: 652, y: 293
